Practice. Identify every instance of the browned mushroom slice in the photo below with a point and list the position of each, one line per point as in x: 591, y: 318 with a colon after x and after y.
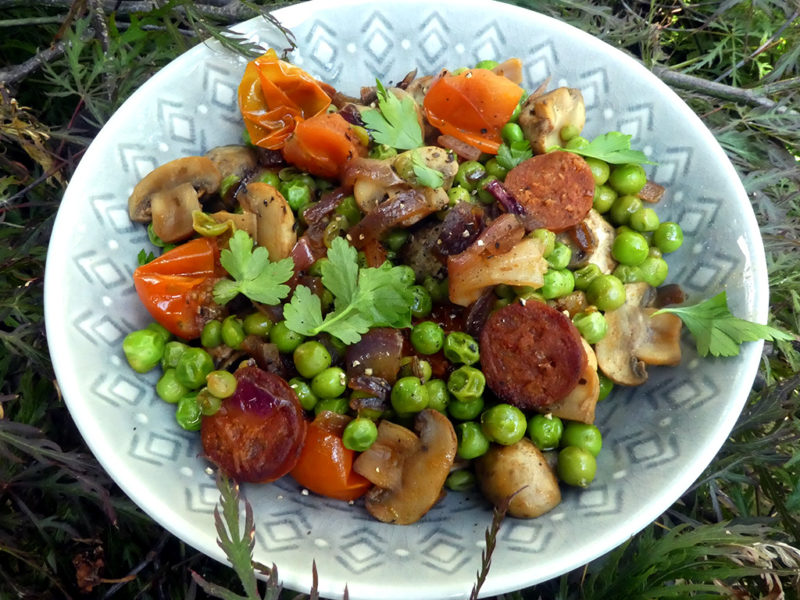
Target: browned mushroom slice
x: 408, y: 470
x: 522, y: 471
x: 198, y: 171
x: 276, y: 230
x: 635, y: 339
x: 172, y: 212
x: 580, y: 403
x: 543, y: 116
x: 511, y: 69
x: 246, y: 221
x: 233, y: 160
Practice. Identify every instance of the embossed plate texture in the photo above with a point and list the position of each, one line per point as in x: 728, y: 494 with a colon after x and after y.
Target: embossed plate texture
x: 658, y: 438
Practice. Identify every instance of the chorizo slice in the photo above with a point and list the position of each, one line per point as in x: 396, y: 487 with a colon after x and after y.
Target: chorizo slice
x: 555, y: 189
x: 258, y: 433
x: 531, y: 355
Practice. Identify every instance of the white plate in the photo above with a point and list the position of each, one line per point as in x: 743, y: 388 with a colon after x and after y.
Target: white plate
x: 658, y: 438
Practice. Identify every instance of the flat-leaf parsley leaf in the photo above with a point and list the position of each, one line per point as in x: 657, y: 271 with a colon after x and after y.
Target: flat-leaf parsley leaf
x: 427, y: 176
x: 614, y: 148
x: 509, y: 156
x: 363, y: 298
x: 717, y: 332
x: 253, y: 273
x: 396, y: 123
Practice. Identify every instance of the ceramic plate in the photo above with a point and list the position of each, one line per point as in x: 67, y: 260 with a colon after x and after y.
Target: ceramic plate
x: 658, y: 438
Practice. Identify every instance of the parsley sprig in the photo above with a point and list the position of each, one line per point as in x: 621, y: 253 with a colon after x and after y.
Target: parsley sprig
x: 510, y: 155
x: 253, y: 273
x: 717, y: 332
x: 394, y: 123
x: 614, y: 148
x: 363, y: 298
x: 426, y: 176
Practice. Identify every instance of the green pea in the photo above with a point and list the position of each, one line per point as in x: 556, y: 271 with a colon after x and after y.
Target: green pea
x: 329, y: 383
x: 188, y: 414
x: 604, y: 198
x: 427, y: 337
x: 270, y: 178
x: 382, y: 152
x: 568, y: 132
x: 160, y: 330
x: 334, y: 405
x: 438, y: 289
x: 600, y: 170
x: 585, y: 275
x: 409, y: 395
x: 311, y: 358
x: 511, y: 132
x: 461, y: 480
x: 545, y: 431
x: 472, y: 441
x: 483, y: 194
x: 303, y: 392
x: 606, y: 292
x: 503, y: 290
x: 348, y: 208
x: 359, y: 434
x: 438, y: 396
x: 466, y: 411
x: 606, y: 385
x: 628, y: 178
x: 192, y: 368
x: 211, y: 336
x: 413, y: 366
x: 560, y: 256
x: 232, y: 332
x: 169, y: 389
x: 466, y: 383
x: 668, y: 237
x: 284, y: 338
x: 655, y: 252
x: 628, y: 274
x: 501, y: 303
x: 503, y: 424
x: 549, y: 239
x: 576, y: 466
x: 257, y: 323
x: 576, y: 143
x: 396, y: 239
x: 495, y: 169
x: 221, y: 384
x: 591, y: 325
x: 143, y: 349
x: 460, y: 347
x: 469, y: 173
x: 172, y: 352
x: 296, y: 193
x: 630, y: 248
x: 644, y: 219
x: 526, y: 292
x: 458, y: 194
x: 316, y: 268
x: 623, y: 208
x: 421, y: 302
x: 209, y: 403
x: 654, y: 270
x: 584, y: 436
x: 406, y: 274
x: 557, y: 283
x: 487, y: 64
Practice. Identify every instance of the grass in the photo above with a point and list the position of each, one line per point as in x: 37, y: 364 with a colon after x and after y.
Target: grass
x: 67, y: 531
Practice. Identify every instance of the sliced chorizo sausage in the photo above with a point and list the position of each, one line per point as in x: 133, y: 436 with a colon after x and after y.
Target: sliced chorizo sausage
x: 531, y: 354
x: 258, y: 433
x: 555, y: 189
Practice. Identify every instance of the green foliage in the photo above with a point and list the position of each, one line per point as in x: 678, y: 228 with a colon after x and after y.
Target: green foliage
x: 60, y: 511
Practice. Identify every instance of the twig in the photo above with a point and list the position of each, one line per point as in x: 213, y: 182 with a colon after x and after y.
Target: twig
x: 100, y: 23
x: 712, y: 88
x: 231, y: 12
x: 30, y: 21
x: 12, y: 75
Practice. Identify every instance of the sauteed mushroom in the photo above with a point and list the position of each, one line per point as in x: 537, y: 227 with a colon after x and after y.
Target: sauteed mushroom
x: 275, y: 231
x: 233, y: 160
x: 543, y: 116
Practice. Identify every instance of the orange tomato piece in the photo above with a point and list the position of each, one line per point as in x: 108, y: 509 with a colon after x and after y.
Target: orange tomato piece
x: 175, y: 286
x: 325, y: 466
x: 472, y: 106
x: 323, y: 144
x: 274, y: 96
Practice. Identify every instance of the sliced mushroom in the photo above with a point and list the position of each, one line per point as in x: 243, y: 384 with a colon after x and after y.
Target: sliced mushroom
x: 511, y: 69
x: 408, y: 470
x: 522, y: 471
x: 198, y: 171
x: 245, y: 221
x: 635, y: 339
x: 603, y: 233
x: 432, y: 157
x: 233, y: 160
x: 276, y: 224
x: 543, y: 116
x: 172, y: 212
x: 580, y: 403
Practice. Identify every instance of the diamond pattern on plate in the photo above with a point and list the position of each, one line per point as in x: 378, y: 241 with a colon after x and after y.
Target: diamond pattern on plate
x: 540, y: 63
x: 120, y: 389
x: 217, y: 86
x: 698, y: 213
x: 600, y: 499
x: 323, y: 49
x: 594, y: 87
x: 107, y: 208
x: 434, y: 40
x: 710, y: 271
x: 673, y: 163
x: 202, y: 498
x: 488, y: 44
x: 283, y: 530
x: 101, y: 328
x: 378, y: 41
x: 97, y: 268
x: 649, y: 448
x: 136, y: 160
x: 361, y: 550
x: 443, y: 551
x: 638, y: 123
x: 530, y: 536
x: 158, y: 447
x: 690, y: 394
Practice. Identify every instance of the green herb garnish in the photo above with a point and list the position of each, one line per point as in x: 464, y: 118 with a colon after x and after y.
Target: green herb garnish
x: 395, y: 124
x: 717, y: 332
x: 364, y: 298
x: 614, y: 148
x: 509, y: 156
x: 145, y: 257
x: 253, y: 273
x: 427, y: 176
